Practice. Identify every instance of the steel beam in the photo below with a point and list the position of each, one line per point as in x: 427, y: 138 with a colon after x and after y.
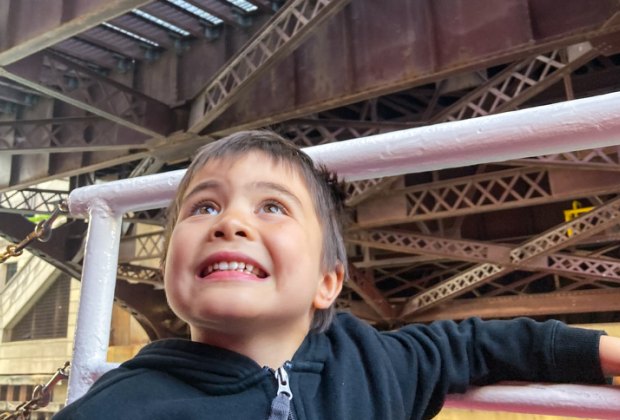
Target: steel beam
x: 132, y: 23
x: 266, y: 6
x: 520, y: 82
x: 282, y: 34
x: 148, y: 305
x: 485, y: 192
x: 61, y: 251
x: 361, y: 282
x: 559, y: 237
x: 31, y: 201
x: 139, y: 274
x: 62, y: 79
x: 55, y: 21
x: 412, y: 243
x: 597, y: 220
x: 219, y: 10
x: 181, y: 18
x: 582, y: 301
x: 141, y: 247
x: 77, y: 171
x: 606, y: 159
x: 62, y: 135
x: 510, y: 88
x: 483, y: 252
x: 131, y: 52
x: 312, y: 132
x: 14, y: 96
x: 362, y: 190
x: 429, y: 47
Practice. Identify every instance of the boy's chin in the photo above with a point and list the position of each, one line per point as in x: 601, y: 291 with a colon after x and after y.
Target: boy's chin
x: 243, y: 321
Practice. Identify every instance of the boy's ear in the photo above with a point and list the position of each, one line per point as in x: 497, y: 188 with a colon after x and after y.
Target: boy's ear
x: 329, y: 287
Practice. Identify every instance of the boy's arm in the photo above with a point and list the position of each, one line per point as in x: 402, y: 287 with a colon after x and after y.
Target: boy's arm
x: 609, y: 353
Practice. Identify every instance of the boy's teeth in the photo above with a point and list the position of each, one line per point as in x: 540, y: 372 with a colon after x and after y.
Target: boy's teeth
x: 234, y: 266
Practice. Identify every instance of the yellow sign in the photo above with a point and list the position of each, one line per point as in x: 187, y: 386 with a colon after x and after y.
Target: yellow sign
x: 574, y: 213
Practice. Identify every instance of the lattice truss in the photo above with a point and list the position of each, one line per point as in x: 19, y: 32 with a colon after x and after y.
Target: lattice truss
x: 62, y: 134
x: 84, y: 88
x: 494, y: 262
x: 31, y: 201
x: 396, y: 274
x: 287, y: 29
x: 607, y: 158
x: 500, y: 270
x: 511, y: 87
x: 140, y: 274
x: 147, y: 246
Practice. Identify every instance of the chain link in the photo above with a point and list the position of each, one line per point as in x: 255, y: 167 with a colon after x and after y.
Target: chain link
x: 42, y: 232
x: 41, y: 397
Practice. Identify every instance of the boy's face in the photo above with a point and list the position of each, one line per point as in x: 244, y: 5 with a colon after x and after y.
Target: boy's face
x: 246, y: 249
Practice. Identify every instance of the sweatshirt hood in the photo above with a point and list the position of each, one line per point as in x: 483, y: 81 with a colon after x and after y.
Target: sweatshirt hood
x: 215, y: 369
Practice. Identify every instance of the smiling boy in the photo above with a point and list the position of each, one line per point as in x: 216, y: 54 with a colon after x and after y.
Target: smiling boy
x: 254, y: 262
x: 243, y: 267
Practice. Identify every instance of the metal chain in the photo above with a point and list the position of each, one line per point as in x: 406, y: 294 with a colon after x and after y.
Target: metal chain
x: 42, y: 232
x: 41, y: 397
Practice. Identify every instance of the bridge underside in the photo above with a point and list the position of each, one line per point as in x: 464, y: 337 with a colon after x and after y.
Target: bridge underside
x: 96, y: 90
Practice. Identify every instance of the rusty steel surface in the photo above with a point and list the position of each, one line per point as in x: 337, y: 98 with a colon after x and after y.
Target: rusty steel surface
x: 378, y: 47
x: 93, y: 89
x: 55, y: 21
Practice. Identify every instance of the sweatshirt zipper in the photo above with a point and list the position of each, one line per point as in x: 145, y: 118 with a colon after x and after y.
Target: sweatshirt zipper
x: 284, y: 387
x: 283, y: 382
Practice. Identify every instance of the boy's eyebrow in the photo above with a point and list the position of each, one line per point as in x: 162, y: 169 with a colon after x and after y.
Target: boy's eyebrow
x: 205, y: 185
x: 265, y: 185
x: 259, y: 185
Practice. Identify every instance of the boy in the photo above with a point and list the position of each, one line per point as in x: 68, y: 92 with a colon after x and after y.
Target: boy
x: 254, y: 262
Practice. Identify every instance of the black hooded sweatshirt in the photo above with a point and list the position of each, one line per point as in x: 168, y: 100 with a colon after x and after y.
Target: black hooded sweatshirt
x: 351, y: 372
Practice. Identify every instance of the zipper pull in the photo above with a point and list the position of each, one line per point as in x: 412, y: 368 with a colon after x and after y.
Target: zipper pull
x: 281, y: 404
x: 283, y: 383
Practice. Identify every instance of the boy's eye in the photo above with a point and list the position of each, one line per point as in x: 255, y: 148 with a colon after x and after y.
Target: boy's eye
x: 273, y: 207
x: 207, y: 207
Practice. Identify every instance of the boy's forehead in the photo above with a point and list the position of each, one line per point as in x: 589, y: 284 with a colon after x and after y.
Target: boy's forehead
x: 249, y: 166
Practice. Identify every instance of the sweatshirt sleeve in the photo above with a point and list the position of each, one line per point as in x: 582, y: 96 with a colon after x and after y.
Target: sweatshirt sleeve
x: 447, y: 357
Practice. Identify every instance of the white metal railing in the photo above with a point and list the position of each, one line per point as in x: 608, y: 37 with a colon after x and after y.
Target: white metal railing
x: 568, y: 126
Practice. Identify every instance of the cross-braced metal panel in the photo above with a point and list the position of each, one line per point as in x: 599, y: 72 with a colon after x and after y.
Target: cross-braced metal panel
x: 559, y: 237
x: 66, y: 135
x: 282, y: 34
x: 401, y: 284
x: 461, y: 283
x: 570, y: 232
x: 607, y: 158
x: 443, y: 247
x: 518, y: 83
x: 485, y: 192
x: 70, y: 82
x: 456, y: 249
x: 592, y: 267
x: 31, y: 201
x: 143, y: 247
x: 361, y: 190
x: 139, y: 274
x: 312, y: 133
x: 512, y: 87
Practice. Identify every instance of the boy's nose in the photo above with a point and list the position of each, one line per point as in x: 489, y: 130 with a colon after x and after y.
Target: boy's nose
x: 230, y: 227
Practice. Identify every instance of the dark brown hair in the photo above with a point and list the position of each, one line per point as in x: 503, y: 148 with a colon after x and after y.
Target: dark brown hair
x: 322, y: 186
